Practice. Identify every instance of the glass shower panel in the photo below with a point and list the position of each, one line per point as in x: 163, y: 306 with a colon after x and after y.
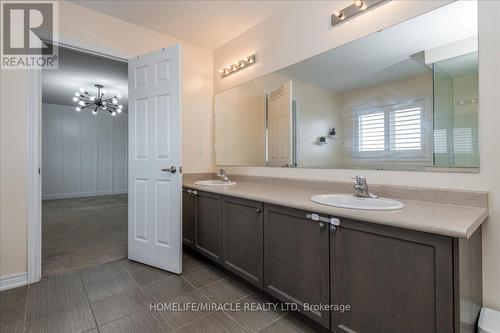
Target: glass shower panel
x: 456, y: 107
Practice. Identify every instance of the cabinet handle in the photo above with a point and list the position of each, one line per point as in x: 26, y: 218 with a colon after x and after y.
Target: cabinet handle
x: 195, y: 192
x: 258, y: 210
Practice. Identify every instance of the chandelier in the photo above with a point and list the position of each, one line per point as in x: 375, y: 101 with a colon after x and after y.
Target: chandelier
x: 97, y: 102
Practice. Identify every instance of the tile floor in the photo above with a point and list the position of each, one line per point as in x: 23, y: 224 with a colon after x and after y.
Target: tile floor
x: 116, y: 297
x: 83, y: 232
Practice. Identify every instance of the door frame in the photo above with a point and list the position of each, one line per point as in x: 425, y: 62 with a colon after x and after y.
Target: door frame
x: 34, y: 158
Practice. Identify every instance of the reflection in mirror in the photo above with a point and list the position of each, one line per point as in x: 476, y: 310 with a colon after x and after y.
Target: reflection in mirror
x: 405, y: 98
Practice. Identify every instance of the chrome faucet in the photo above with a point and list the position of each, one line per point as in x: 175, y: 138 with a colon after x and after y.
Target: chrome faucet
x: 222, y: 174
x: 361, y: 188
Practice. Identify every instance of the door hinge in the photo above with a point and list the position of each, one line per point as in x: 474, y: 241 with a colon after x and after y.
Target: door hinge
x: 180, y: 169
x: 39, y: 170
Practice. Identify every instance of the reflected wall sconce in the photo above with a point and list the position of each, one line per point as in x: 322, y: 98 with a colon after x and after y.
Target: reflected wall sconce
x: 358, y: 7
x: 238, y: 66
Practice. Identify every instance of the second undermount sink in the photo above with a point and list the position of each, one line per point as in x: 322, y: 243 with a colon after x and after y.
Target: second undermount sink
x: 214, y: 183
x: 353, y: 202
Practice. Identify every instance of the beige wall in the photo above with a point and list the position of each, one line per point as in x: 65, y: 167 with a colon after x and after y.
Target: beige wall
x: 120, y: 37
x: 13, y: 172
x: 277, y: 42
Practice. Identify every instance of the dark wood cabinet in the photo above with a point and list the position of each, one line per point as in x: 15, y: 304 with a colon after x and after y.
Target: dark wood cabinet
x: 188, y: 217
x: 208, y: 240
x: 296, y: 260
x: 242, y: 242
x: 394, y: 280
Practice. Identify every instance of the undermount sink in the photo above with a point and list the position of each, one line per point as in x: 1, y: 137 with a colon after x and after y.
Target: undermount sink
x: 214, y: 183
x: 353, y: 202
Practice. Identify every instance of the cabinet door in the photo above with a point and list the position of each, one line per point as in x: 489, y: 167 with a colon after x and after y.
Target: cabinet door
x: 242, y: 230
x: 188, y: 217
x: 394, y: 280
x: 296, y: 260
x: 208, y: 225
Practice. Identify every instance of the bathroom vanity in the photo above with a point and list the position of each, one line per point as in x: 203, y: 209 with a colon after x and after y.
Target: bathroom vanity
x: 421, y: 274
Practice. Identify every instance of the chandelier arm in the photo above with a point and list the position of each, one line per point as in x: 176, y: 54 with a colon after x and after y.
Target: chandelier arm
x: 85, y: 106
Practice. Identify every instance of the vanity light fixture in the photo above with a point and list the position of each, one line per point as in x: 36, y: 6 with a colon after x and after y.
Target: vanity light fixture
x: 238, y: 66
x: 356, y: 8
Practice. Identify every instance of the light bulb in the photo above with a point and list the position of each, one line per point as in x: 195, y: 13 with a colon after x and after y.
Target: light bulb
x: 104, y: 107
x: 119, y: 110
x: 78, y: 108
x: 339, y: 14
x: 115, y: 101
x: 77, y: 94
x: 119, y: 96
x: 75, y: 99
x: 82, y: 103
x: 120, y: 106
x: 251, y: 60
x: 94, y: 112
x: 82, y: 90
x: 92, y: 98
x: 221, y: 71
x: 113, y: 113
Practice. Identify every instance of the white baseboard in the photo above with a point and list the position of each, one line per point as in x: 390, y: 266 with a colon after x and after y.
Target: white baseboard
x: 13, y: 281
x: 80, y: 195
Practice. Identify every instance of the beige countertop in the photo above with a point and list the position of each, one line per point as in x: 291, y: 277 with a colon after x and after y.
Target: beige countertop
x: 438, y: 218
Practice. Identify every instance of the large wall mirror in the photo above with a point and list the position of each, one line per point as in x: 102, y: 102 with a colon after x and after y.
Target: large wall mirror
x: 404, y: 98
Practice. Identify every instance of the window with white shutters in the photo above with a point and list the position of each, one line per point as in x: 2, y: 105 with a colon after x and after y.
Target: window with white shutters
x: 388, y: 133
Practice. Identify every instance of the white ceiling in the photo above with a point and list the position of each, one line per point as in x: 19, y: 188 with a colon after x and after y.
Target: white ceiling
x: 391, y: 54
x: 205, y: 23
x: 81, y: 70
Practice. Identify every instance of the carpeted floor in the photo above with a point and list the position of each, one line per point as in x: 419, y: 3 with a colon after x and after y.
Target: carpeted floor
x: 83, y: 232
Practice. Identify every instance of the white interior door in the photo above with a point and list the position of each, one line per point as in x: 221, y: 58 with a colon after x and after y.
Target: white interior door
x: 154, y: 211
x: 280, y: 126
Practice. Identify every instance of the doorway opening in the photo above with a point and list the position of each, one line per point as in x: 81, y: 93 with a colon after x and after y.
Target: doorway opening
x: 84, y: 154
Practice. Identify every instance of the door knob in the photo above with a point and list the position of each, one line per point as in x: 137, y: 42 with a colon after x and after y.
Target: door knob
x: 172, y: 169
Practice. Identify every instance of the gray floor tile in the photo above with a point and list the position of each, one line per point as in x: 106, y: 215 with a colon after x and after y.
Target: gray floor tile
x: 107, y: 280
x: 177, y: 319
x: 120, y: 305
x: 217, y: 322
x: 13, y: 309
x: 58, y: 304
x: 167, y: 288
x: 287, y: 324
x: 191, y: 262
x: 142, y: 322
x: 144, y: 274
x: 254, y: 321
x: 74, y: 319
x: 203, y: 276
x: 56, y: 294
x: 226, y: 291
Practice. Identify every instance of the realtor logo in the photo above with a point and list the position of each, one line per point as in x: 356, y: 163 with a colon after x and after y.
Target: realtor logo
x: 28, y: 30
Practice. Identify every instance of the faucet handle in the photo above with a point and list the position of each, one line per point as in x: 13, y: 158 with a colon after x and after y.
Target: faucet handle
x: 222, y: 172
x: 360, y: 180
